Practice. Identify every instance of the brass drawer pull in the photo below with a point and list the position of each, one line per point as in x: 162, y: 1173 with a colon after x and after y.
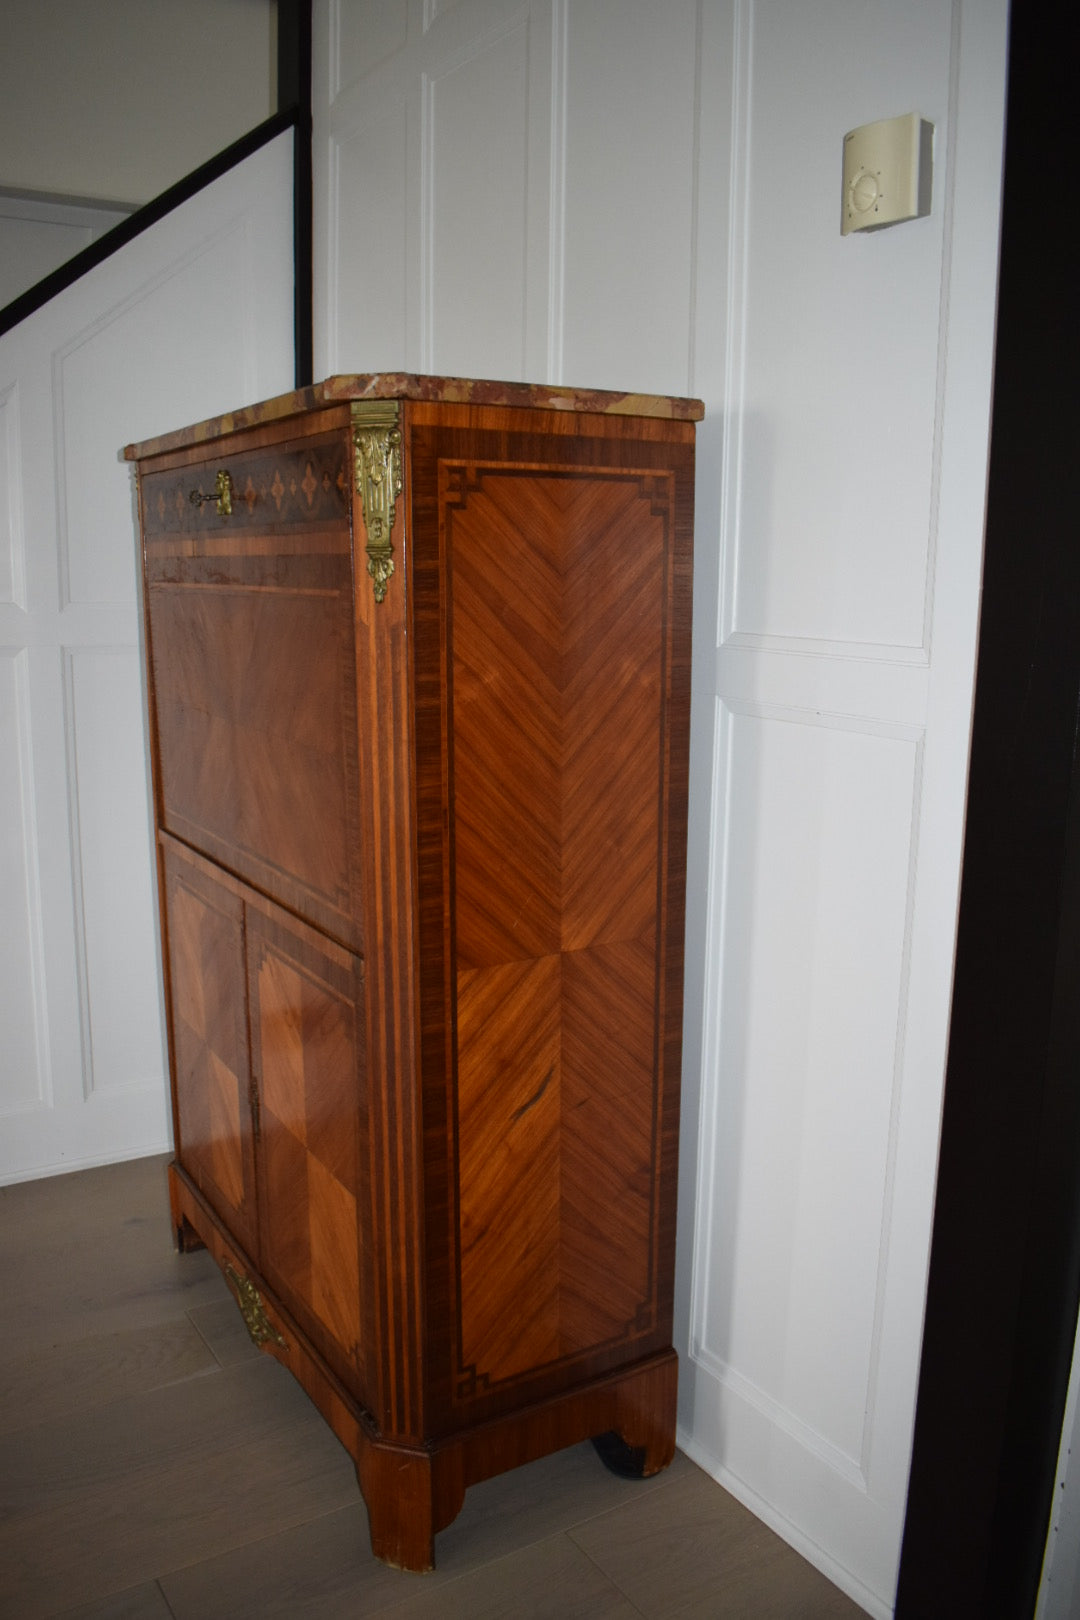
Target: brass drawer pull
x: 221, y: 493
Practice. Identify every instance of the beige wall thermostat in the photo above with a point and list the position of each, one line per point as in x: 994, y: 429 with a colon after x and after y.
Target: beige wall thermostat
x: 888, y: 167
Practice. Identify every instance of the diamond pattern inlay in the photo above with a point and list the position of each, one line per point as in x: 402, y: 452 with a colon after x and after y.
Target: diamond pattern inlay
x: 276, y: 484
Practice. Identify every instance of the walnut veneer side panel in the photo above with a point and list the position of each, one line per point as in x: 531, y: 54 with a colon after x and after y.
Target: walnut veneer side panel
x: 250, y: 636
x: 551, y: 595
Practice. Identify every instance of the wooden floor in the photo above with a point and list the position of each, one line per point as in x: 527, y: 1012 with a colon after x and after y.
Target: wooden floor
x: 153, y: 1464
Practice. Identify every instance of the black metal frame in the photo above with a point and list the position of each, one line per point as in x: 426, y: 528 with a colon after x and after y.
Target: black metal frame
x: 294, y: 95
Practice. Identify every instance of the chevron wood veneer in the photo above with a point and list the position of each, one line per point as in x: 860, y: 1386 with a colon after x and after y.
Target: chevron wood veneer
x: 556, y: 672
x: 422, y: 852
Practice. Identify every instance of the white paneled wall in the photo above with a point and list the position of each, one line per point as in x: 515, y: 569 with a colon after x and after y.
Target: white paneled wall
x: 477, y: 254
x: 628, y: 231
x: 192, y: 318
x: 37, y: 236
x: 26, y: 1053
x: 644, y: 194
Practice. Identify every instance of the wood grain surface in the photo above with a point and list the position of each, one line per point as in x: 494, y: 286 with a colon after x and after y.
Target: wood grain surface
x: 423, y: 857
x: 306, y: 1017
x: 252, y: 671
x: 551, y: 622
x: 208, y: 1006
x: 142, y: 1478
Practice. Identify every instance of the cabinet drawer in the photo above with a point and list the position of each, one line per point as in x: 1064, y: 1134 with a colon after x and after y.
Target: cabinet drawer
x: 267, y: 489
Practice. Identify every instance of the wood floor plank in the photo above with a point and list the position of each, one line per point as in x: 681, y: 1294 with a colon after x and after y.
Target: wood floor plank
x: 531, y: 1504
x: 324, y: 1569
x: 694, y: 1553
x: 82, y: 1203
x: 53, y: 1381
x: 552, y: 1580
x: 321, y: 1570
x: 222, y: 1495
x: 137, y: 1603
x: 128, y: 1492
x: 222, y: 1328
x: 92, y: 1254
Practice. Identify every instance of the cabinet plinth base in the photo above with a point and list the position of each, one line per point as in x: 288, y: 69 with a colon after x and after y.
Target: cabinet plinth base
x: 411, y: 1492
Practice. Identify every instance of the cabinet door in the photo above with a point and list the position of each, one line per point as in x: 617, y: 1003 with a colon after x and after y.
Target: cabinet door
x: 208, y: 1015
x: 307, y: 1040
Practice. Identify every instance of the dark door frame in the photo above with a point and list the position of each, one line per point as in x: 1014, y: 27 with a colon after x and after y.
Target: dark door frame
x: 1004, y: 1280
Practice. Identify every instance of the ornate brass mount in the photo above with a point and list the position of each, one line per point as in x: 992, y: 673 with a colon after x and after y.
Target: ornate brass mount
x: 221, y: 493
x: 256, y: 1321
x: 377, y: 450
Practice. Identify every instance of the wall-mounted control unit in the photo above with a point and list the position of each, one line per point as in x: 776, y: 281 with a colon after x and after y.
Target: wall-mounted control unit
x: 888, y: 169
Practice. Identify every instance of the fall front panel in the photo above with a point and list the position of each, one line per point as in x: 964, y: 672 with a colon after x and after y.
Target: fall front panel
x: 254, y: 682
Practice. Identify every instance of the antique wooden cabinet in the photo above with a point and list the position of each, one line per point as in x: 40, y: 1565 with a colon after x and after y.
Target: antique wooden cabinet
x: 418, y: 672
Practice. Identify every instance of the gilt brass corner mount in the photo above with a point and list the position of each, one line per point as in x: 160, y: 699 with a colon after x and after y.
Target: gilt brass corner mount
x: 376, y: 428
x: 258, y: 1324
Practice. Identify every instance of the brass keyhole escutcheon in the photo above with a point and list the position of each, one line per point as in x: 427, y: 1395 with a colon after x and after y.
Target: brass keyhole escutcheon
x: 221, y: 494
